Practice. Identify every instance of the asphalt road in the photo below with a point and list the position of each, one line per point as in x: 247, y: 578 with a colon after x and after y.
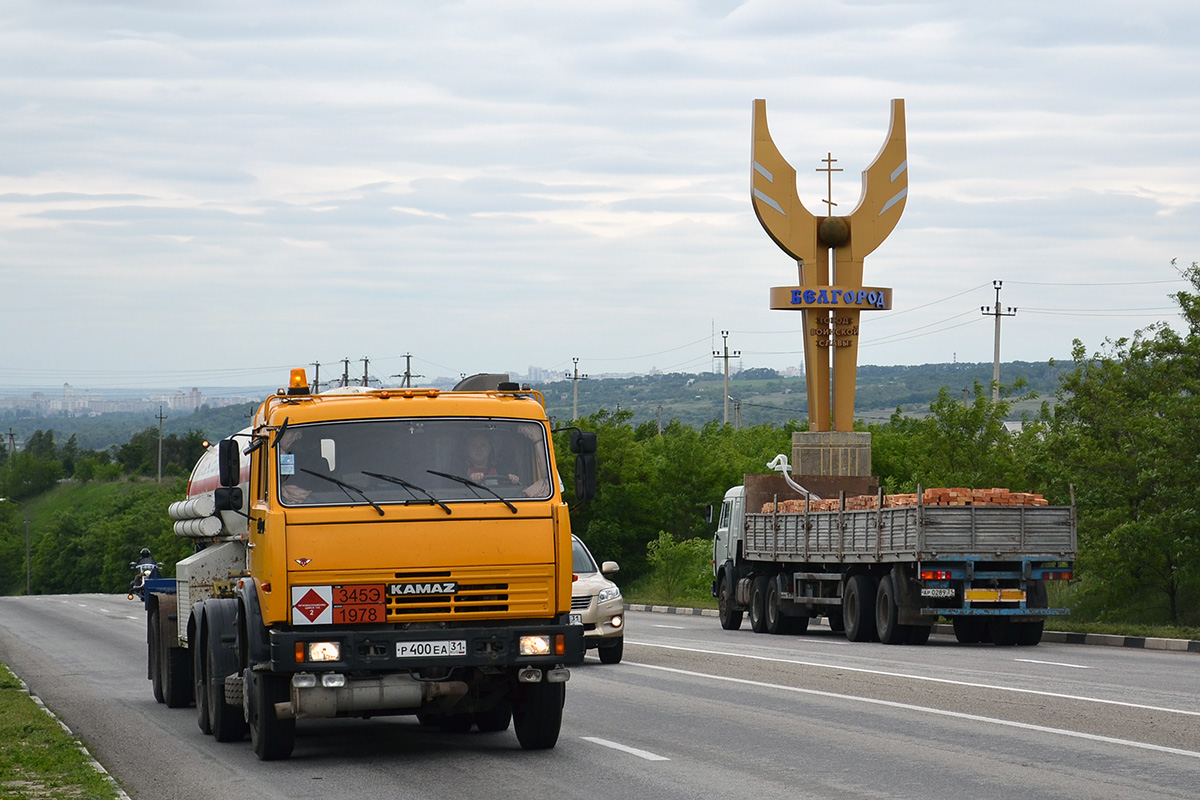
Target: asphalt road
x: 693, y: 711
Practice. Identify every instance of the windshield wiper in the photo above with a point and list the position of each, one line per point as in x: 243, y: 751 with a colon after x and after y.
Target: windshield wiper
x: 473, y: 484
x: 411, y: 487
x: 345, y: 487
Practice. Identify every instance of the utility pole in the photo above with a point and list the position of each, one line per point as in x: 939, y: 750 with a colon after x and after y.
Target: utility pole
x: 160, y: 432
x: 997, y: 312
x: 575, y: 379
x: 316, y: 384
x: 408, y: 373
x: 726, y: 355
x: 365, y: 361
x: 345, y: 372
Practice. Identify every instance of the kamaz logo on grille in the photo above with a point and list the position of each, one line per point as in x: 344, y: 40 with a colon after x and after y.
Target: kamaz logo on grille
x: 445, y: 587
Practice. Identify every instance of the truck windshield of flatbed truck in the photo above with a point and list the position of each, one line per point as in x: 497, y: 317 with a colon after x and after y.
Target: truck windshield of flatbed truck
x: 398, y: 461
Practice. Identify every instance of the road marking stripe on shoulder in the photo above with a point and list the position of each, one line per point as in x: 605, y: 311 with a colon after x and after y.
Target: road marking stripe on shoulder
x: 624, y: 748
x: 935, y: 711
x: 1052, y: 663
x: 948, y: 681
x: 672, y: 627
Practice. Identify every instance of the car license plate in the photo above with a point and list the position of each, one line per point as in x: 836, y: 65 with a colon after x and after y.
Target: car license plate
x: 454, y: 647
x: 937, y: 591
x: 577, y: 619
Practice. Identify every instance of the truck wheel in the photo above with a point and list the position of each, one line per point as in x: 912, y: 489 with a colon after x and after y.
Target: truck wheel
x: 153, y: 669
x: 730, y: 615
x: 758, y: 600
x: 1030, y: 633
x: 837, y: 623
x: 778, y: 623
x: 495, y: 719
x: 272, y: 738
x: 858, y: 608
x: 537, y: 714
x: 611, y: 654
x: 455, y: 723
x: 175, y: 666
x: 1002, y: 631
x: 969, y: 630
x: 887, y: 614
x: 228, y: 722
x: 199, y: 677
x: 919, y: 634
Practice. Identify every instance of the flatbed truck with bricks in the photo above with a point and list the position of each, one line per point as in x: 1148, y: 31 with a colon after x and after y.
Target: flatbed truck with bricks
x: 888, y: 567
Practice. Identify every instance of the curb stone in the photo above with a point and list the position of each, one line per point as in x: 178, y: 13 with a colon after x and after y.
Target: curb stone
x: 1060, y: 637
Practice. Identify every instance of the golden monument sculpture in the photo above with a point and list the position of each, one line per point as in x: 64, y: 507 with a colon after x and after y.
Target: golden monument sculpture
x: 830, y: 295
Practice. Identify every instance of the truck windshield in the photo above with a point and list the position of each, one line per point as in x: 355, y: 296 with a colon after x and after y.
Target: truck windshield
x: 413, y: 461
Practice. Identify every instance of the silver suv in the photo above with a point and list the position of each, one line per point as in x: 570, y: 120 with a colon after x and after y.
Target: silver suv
x: 596, y: 604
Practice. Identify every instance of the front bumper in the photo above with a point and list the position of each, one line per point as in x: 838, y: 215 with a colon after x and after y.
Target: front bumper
x: 377, y: 650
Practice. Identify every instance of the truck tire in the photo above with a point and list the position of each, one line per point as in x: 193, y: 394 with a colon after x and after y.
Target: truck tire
x: 858, y: 608
x: 153, y: 646
x: 175, y: 666
x: 730, y: 615
x: 1002, y: 631
x: 919, y: 634
x: 221, y: 660
x: 1029, y: 634
x: 495, y: 719
x: 969, y: 630
x: 196, y: 650
x: 887, y: 614
x: 837, y: 623
x: 611, y: 653
x: 273, y: 738
x: 758, y: 602
x: 777, y: 622
x: 537, y: 714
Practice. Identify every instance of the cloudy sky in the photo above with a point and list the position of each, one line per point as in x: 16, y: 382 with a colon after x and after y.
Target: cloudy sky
x: 206, y: 193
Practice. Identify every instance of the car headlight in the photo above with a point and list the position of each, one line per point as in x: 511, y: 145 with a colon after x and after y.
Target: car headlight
x: 611, y: 593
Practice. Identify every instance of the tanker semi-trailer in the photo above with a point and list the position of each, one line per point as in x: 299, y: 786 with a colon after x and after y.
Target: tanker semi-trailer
x: 364, y: 552
x: 886, y: 568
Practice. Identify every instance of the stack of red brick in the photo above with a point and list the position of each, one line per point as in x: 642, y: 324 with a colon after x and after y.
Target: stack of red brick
x: 931, y: 497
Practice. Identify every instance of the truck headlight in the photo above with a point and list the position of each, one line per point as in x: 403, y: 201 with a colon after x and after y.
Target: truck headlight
x: 324, y: 651
x: 611, y: 593
x: 535, y: 645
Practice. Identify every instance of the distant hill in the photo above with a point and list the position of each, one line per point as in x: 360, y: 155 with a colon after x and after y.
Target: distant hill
x: 760, y: 395
x: 763, y: 396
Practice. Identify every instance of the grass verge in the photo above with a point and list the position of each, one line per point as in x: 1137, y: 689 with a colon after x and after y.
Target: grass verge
x: 38, y: 758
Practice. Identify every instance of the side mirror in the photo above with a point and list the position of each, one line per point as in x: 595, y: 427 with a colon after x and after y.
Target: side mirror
x: 609, y: 567
x: 228, y: 498
x: 708, y: 513
x: 585, y: 477
x: 583, y: 442
x: 229, y: 463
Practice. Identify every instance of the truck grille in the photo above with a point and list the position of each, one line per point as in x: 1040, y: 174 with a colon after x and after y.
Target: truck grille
x: 523, y: 591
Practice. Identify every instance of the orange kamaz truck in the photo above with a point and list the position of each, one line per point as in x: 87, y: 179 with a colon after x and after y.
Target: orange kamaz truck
x: 363, y: 552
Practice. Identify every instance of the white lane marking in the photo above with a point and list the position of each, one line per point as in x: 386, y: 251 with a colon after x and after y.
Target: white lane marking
x: 624, y: 748
x: 1052, y: 663
x: 672, y: 627
x: 935, y: 711
x: 923, y: 678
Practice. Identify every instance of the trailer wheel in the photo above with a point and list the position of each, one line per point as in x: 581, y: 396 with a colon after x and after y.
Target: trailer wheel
x: 730, y: 615
x: 858, y: 608
x: 1002, y: 631
x: 272, y: 738
x: 153, y: 669
x: 887, y: 614
x: 199, y: 676
x: 176, y: 669
x: 1030, y: 633
x: 758, y: 602
x: 969, y: 630
x: 919, y: 634
x: 537, y: 714
x: 837, y: 622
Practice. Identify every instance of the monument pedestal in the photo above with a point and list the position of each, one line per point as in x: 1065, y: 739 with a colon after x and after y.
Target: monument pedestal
x: 829, y: 462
